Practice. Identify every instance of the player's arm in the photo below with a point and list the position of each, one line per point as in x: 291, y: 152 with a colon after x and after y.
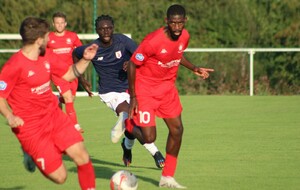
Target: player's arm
x: 13, y: 121
x: 199, y: 71
x: 131, y: 69
x: 83, y: 82
x: 77, y: 69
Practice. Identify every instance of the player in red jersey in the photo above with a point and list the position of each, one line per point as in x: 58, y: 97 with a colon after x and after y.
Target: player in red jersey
x: 152, y: 74
x: 31, y: 108
x: 62, y: 42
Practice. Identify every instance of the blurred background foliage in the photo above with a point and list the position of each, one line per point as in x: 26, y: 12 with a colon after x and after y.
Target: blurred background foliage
x: 211, y: 24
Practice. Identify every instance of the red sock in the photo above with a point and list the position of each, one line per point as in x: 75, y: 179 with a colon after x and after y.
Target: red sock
x: 71, y: 112
x: 170, y: 165
x: 86, y: 176
x: 129, y: 125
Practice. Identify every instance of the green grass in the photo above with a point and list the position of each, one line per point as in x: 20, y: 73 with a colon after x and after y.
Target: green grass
x: 230, y: 143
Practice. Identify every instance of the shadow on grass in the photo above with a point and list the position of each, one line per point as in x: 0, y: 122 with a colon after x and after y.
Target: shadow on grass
x: 13, y: 188
x: 105, y: 172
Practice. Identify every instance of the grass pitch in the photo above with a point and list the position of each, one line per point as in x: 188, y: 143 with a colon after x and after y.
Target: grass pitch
x: 229, y: 143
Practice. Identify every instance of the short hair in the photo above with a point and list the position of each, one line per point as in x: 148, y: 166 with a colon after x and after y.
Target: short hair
x: 33, y: 28
x: 60, y: 15
x: 176, y: 9
x: 103, y: 17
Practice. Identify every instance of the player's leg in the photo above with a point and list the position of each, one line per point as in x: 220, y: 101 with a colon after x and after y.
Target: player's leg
x: 85, y: 169
x: 28, y: 162
x: 127, y: 145
x: 170, y: 109
x: 172, y: 150
x: 128, y: 141
x: 68, y: 140
x: 70, y: 109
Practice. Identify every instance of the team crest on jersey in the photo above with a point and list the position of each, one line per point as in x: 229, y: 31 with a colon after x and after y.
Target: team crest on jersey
x: 3, y: 85
x: 69, y: 41
x: 180, y: 48
x: 139, y: 57
x: 47, y: 66
x: 118, y: 54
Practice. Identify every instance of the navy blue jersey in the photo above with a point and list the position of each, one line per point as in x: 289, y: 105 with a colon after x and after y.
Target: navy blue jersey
x: 109, y: 61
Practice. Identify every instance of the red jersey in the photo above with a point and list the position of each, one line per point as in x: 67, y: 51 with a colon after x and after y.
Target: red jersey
x: 26, y: 86
x: 64, y: 45
x: 157, y: 59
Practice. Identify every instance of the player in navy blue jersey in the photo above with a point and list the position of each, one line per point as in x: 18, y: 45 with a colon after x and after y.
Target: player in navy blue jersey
x: 110, y: 64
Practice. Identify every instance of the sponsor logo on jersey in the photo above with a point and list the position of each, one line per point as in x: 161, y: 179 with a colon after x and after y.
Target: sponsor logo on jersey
x: 173, y: 63
x: 41, y: 89
x: 99, y: 58
x: 118, y: 54
x: 62, y: 50
x: 3, y: 85
x: 139, y: 57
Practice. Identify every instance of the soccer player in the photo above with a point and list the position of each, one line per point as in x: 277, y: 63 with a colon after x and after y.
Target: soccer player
x: 110, y: 64
x: 31, y: 108
x: 152, y: 72
x: 62, y: 42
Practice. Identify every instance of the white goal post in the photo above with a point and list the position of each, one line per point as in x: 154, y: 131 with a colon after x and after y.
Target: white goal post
x: 250, y: 51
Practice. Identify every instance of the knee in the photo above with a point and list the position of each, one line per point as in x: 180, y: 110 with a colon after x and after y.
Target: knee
x: 82, y: 159
x: 177, y: 131
x: 149, y: 138
x: 68, y: 97
x: 60, y: 179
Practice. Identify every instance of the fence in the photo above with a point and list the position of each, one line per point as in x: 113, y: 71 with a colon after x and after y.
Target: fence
x: 250, y: 51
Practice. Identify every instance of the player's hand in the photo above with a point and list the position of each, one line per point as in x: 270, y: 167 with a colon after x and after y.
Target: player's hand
x: 90, y: 52
x: 133, y: 107
x: 202, y: 72
x: 86, y: 85
x: 14, y: 121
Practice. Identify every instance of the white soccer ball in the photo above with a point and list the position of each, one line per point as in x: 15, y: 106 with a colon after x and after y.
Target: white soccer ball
x: 123, y: 180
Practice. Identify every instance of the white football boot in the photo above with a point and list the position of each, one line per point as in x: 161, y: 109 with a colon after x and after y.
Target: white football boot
x: 169, y: 182
x: 118, y: 130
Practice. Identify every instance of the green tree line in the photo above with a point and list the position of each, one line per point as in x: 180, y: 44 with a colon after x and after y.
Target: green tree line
x: 211, y: 24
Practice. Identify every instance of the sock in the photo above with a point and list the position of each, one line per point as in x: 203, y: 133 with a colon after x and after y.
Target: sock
x: 71, y: 112
x: 129, y: 143
x: 86, y: 176
x: 170, y: 165
x: 151, y: 148
x: 129, y: 135
x: 129, y: 125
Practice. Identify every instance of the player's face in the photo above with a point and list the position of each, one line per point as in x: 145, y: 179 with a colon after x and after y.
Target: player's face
x: 175, y: 25
x: 59, y: 24
x: 105, y: 31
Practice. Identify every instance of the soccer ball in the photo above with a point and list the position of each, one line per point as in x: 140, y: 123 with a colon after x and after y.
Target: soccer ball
x: 123, y: 180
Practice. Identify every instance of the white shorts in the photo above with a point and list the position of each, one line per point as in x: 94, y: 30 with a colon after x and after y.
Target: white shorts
x: 113, y: 99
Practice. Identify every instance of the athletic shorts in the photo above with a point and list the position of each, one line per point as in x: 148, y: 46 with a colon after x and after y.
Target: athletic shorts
x: 113, y: 99
x: 164, y: 106
x: 63, y: 85
x: 50, y: 141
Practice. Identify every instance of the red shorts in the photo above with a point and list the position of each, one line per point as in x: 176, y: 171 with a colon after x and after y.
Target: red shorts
x: 63, y: 85
x: 164, y: 106
x: 50, y: 141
